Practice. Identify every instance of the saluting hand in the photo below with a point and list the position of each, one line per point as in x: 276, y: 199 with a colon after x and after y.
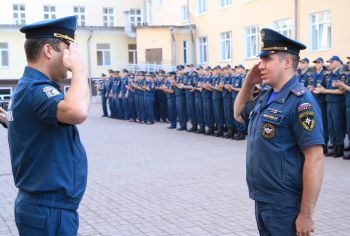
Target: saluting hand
x: 72, y: 58
x: 253, y: 76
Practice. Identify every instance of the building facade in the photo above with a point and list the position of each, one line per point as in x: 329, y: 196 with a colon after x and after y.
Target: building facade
x: 133, y: 34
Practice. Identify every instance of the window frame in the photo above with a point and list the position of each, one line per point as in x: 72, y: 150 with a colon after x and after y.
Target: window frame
x: 108, y: 23
x: 224, y: 4
x: 282, y: 29
x: 7, y: 51
x: 49, y: 15
x: 19, y: 20
x: 104, y: 52
x: 223, y: 40
x: 79, y: 15
x: 203, y: 53
x: 246, y: 35
x: 328, y: 24
x: 202, y: 7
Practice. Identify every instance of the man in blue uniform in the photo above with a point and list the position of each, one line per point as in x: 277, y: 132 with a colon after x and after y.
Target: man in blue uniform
x: 285, y: 139
x: 110, y: 93
x: 199, y: 100
x: 190, y: 81
x: 180, y: 98
x: 319, y: 79
x: 335, y: 106
x: 103, y: 93
x: 48, y: 160
x: 237, y: 82
x: 217, y: 87
x: 304, y: 75
x: 207, y: 101
x: 124, y: 83
x: 228, y: 105
x: 169, y: 89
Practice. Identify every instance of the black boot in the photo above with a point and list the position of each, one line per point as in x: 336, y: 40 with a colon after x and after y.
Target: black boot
x: 339, y: 151
x: 193, y: 128
x: 329, y: 153
x: 229, y: 133
x: 240, y: 136
x: 219, y: 133
x: 347, y: 157
x: 325, y: 149
x: 201, y: 130
x: 210, y: 131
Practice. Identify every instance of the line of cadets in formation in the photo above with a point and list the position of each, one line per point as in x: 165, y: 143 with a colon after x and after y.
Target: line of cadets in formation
x: 205, y: 97
x: 202, y: 96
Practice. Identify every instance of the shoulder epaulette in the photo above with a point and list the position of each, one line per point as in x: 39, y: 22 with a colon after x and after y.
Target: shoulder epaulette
x: 299, y: 90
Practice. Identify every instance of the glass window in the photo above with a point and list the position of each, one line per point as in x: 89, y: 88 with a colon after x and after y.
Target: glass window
x: 108, y: 17
x: 49, y: 12
x: 80, y: 13
x: 103, y: 54
x: 225, y: 3
x: 284, y: 27
x: 321, y: 30
x: 251, y: 41
x: 185, y: 47
x: 184, y: 12
x: 19, y: 15
x: 226, y: 46
x: 202, y: 6
x: 4, y: 55
x: 136, y: 17
x: 202, y: 50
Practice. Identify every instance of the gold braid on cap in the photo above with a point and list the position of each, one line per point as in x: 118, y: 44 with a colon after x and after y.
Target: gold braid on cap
x: 63, y: 36
x: 274, y: 48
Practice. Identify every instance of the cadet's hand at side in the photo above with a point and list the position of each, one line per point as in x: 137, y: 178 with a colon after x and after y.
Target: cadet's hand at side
x: 305, y: 225
x: 3, y: 116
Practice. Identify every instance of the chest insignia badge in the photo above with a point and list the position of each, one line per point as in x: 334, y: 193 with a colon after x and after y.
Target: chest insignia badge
x: 268, y: 131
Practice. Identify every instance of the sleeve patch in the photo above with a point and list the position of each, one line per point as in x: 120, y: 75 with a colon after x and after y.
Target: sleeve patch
x: 307, y: 120
x: 50, y: 91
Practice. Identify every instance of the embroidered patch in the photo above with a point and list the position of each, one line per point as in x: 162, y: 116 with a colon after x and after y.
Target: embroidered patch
x: 304, y: 107
x: 271, y: 117
x: 51, y: 91
x: 274, y: 111
x: 307, y: 120
x: 268, y: 131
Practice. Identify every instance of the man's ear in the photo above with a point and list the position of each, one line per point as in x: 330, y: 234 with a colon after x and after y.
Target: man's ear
x: 288, y: 62
x: 47, y: 51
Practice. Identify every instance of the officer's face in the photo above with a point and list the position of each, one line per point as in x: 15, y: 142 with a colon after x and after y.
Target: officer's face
x: 58, y: 71
x: 272, y: 69
x: 318, y: 65
x: 333, y: 65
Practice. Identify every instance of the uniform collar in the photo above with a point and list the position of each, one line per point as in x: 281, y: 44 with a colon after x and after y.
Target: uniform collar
x: 282, y: 95
x: 34, y: 74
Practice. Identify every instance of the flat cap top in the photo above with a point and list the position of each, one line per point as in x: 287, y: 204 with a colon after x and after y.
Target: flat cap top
x: 273, y: 42
x: 62, y: 28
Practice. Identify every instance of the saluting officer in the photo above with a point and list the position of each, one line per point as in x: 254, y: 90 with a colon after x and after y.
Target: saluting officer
x: 285, y: 138
x: 48, y: 160
x: 335, y: 106
x: 103, y: 93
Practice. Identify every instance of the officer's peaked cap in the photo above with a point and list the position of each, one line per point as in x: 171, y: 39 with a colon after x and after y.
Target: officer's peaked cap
x: 273, y: 42
x: 62, y: 28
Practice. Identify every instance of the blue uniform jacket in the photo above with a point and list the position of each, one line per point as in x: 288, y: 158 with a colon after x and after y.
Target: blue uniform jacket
x: 48, y: 160
x: 277, y: 134
x: 332, y: 77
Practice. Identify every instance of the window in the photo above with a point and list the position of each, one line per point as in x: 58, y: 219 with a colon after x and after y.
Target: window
x: 185, y: 46
x: 184, y: 12
x: 251, y: 41
x: 284, y: 27
x: 132, y: 53
x: 136, y: 17
x: 226, y: 46
x: 202, y: 50
x: 103, y: 54
x: 160, y: 2
x: 202, y: 6
x: 19, y: 14
x: 321, y: 30
x: 225, y: 3
x: 108, y: 17
x: 5, y: 93
x: 80, y: 13
x: 4, y: 55
x: 49, y: 12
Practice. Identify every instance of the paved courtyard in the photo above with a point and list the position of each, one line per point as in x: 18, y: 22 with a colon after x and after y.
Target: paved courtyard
x: 148, y: 180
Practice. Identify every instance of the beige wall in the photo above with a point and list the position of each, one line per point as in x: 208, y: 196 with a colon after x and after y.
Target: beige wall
x: 167, y: 14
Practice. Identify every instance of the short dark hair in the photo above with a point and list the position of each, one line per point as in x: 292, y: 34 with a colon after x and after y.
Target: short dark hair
x: 32, y: 47
x: 295, y: 58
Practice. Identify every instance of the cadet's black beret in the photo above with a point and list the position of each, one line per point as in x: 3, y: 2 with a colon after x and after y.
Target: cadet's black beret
x: 273, y: 42
x: 62, y: 28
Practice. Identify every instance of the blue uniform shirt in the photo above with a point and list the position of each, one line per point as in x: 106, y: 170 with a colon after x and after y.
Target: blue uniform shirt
x: 305, y: 78
x: 318, y: 79
x: 207, y: 93
x: 47, y: 157
x: 124, y: 82
x: 332, y: 77
x: 277, y: 134
x: 227, y: 80
x: 216, y: 81
x: 347, y: 93
x: 179, y: 92
x: 237, y: 82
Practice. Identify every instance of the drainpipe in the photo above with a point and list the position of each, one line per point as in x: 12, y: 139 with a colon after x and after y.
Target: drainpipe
x: 89, y: 58
x: 173, y: 44
x: 191, y: 31
x: 296, y: 18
